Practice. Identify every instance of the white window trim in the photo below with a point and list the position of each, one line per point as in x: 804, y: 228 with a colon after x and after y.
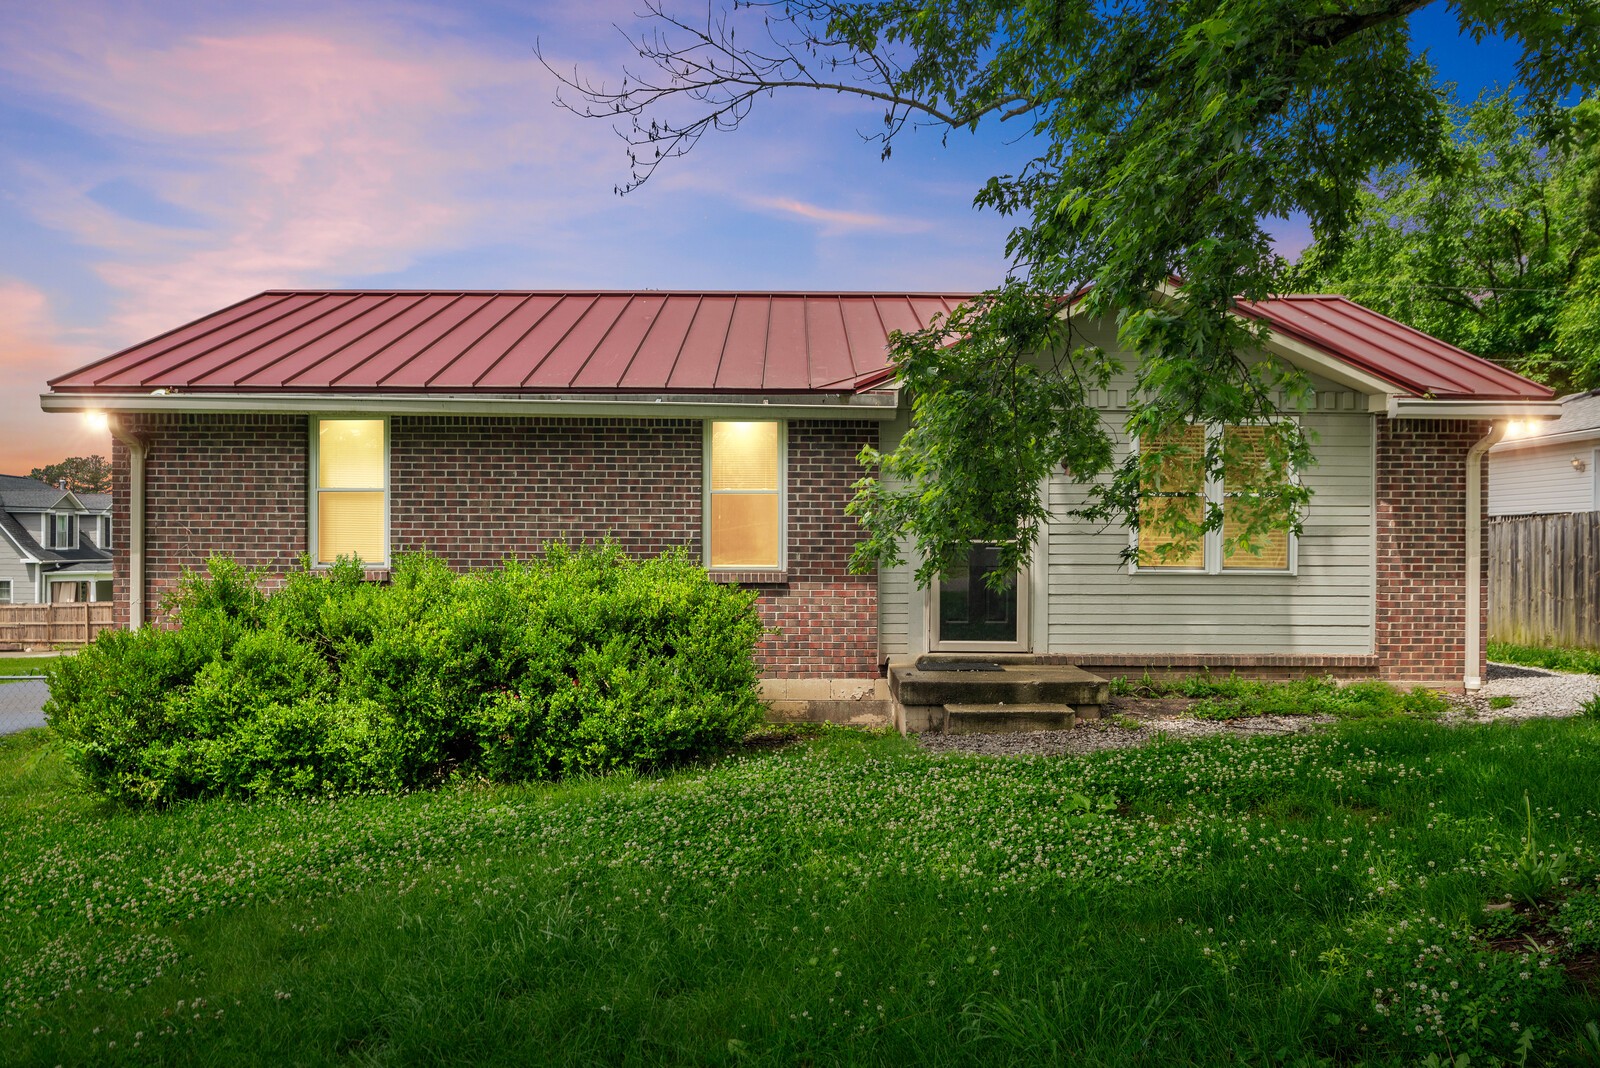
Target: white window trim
x: 1212, y: 493
x: 71, y: 541
x: 313, y: 489
x: 1023, y: 642
x: 783, y: 497
x: 8, y: 590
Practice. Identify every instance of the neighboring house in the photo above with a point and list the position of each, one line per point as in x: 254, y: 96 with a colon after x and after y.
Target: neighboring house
x: 1549, y: 466
x: 54, y: 544
x: 482, y: 425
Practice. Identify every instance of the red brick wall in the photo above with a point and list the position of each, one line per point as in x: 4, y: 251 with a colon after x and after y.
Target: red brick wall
x: 827, y: 618
x: 476, y: 490
x: 1421, y: 520
x: 230, y: 484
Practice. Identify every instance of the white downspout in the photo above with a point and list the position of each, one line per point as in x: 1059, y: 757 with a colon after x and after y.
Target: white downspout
x: 136, y: 455
x: 1471, y: 680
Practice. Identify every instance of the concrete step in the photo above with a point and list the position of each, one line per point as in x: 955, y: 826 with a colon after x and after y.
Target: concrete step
x: 1007, y: 719
x: 1011, y: 684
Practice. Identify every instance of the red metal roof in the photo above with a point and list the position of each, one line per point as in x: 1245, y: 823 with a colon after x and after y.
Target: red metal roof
x: 514, y: 342
x: 657, y: 342
x: 1417, y: 362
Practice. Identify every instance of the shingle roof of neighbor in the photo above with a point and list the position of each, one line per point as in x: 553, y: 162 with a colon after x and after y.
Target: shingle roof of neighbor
x: 654, y: 342
x: 28, y: 494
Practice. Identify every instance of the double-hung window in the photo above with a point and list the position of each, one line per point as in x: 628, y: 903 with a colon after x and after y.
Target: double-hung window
x: 350, y: 490
x: 744, y: 510
x: 61, y: 532
x: 1175, y: 495
x: 5, y: 591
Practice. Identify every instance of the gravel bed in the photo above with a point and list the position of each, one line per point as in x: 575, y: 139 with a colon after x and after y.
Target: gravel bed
x: 1538, y: 693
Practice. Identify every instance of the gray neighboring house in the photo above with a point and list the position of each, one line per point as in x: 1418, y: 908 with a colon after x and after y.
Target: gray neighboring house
x: 1550, y: 467
x: 55, y: 545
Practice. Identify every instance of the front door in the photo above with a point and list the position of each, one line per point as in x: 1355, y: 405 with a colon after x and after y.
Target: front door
x: 970, y: 615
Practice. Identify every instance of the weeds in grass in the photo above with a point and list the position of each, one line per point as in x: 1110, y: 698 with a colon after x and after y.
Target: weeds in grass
x: 1580, y: 920
x: 1590, y: 709
x: 1502, y: 700
x: 847, y: 900
x: 1556, y: 658
x: 1231, y: 697
x: 1532, y: 875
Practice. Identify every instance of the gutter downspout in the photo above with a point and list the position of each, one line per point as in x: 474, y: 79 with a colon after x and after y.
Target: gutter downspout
x: 136, y: 456
x: 1471, y: 680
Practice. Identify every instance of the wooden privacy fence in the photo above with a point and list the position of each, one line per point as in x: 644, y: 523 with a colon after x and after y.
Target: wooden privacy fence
x: 1544, y: 579
x: 44, y: 625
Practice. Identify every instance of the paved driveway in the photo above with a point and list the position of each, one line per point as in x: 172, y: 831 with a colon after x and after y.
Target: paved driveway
x: 21, y: 703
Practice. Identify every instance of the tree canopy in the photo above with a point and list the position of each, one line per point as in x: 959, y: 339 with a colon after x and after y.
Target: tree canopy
x: 1165, y: 138
x: 80, y: 474
x: 1496, y: 249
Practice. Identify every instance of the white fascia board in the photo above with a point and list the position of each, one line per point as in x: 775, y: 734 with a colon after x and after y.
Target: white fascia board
x: 1425, y: 408
x: 1570, y: 437
x: 882, y: 406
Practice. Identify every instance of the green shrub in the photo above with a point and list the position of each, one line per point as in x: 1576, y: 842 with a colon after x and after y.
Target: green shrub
x: 582, y: 661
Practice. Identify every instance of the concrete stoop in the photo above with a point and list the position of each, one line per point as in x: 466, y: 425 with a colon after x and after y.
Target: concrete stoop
x: 999, y: 695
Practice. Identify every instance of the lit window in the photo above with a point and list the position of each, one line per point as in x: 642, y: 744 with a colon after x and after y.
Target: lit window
x: 744, y: 495
x: 349, y: 493
x: 1173, y: 503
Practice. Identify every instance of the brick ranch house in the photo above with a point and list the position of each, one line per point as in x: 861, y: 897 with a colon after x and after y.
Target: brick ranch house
x: 480, y: 425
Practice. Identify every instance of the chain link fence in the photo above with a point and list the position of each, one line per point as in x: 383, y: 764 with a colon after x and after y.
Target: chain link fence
x: 22, y: 700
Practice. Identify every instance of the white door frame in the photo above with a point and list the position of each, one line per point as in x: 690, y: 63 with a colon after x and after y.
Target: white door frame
x: 1022, y: 643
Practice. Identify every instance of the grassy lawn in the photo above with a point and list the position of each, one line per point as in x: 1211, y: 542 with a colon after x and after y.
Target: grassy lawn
x: 847, y: 900
x: 1557, y: 658
x: 28, y: 665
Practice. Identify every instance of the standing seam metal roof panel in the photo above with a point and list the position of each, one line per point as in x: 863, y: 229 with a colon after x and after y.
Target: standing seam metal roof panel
x: 550, y: 341
x: 1419, y: 362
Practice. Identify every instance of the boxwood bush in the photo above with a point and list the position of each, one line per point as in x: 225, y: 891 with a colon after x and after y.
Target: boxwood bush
x: 580, y: 661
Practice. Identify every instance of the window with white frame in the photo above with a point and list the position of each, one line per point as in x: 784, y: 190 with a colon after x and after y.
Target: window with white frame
x: 744, y: 495
x: 1175, y: 496
x: 350, y: 490
x: 61, y: 532
x: 5, y: 591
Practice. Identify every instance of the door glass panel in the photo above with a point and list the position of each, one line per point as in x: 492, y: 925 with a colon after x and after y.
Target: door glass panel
x: 969, y: 611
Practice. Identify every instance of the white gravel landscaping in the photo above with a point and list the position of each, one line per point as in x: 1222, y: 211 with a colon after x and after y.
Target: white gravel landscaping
x: 1539, y: 693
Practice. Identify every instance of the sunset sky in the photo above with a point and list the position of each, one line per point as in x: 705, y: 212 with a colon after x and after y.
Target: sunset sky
x: 161, y: 160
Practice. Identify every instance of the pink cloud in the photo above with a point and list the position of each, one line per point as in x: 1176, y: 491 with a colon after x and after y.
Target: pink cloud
x: 836, y: 219
x: 309, y: 156
x: 30, y: 354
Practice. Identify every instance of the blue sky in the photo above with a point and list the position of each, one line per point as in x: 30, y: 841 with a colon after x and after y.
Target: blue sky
x: 159, y: 160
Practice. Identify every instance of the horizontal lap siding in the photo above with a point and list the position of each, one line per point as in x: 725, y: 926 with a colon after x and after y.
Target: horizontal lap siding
x: 1096, y: 606
x: 896, y: 620
x: 1541, y: 480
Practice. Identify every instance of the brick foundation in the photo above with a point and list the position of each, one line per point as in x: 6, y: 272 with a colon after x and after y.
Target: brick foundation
x: 476, y: 490
x: 1422, y: 549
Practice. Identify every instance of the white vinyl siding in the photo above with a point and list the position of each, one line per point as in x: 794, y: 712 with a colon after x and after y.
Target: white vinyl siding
x: 1097, y: 606
x: 1542, y: 480
x: 1086, y: 601
x: 900, y: 603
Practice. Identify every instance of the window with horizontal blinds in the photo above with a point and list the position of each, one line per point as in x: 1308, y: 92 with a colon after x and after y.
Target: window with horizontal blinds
x: 1245, y: 469
x: 744, y: 488
x: 1171, y: 499
x: 1174, y: 495
x: 351, y: 491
